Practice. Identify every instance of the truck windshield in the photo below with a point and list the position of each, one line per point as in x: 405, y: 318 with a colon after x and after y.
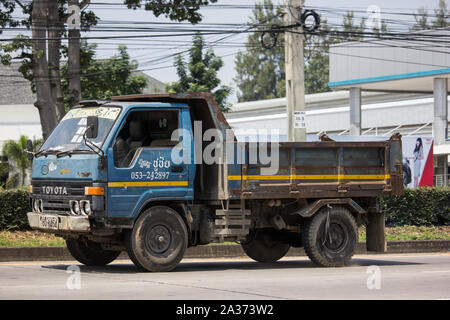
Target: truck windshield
x: 68, y: 135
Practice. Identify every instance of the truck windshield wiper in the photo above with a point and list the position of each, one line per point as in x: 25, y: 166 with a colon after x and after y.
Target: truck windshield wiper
x: 45, y: 152
x: 70, y: 152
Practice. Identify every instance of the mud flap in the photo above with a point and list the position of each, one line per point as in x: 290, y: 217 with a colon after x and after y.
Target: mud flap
x: 375, y: 232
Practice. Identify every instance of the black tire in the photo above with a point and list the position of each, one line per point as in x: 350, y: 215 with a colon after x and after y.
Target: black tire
x: 90, y: 253
x: 158, y: 240
x: 127, y: 238
x: 342, y: 231
x: 263, y: 248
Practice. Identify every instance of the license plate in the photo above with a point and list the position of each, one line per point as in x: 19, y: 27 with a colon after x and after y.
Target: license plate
x: 48, y: 222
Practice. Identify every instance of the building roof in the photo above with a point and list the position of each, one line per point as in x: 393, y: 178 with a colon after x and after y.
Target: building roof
x: 153, y: 85
x: 14, y: 89
x: 315, y: 101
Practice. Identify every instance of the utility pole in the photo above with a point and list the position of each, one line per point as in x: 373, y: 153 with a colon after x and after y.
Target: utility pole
x: 73, y: 64
x: 295, y: 77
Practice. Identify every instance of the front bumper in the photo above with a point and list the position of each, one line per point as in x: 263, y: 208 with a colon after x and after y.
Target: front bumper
x: 65, y: 223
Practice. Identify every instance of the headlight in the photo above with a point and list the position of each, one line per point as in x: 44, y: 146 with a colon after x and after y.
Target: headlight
x: 85, y: 207
x: 36, y: 207
x: 74, y: 207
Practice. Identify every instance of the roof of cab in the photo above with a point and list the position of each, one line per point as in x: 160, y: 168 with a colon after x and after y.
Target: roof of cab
x: 126, y: 104
x: 202, y: 105
x: 131, y: 104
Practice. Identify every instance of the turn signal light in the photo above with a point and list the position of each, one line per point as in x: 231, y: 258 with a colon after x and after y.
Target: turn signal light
x: 94, y: 191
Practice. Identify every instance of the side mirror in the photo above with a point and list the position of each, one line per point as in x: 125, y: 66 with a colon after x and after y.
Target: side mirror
x: 92, y: 127
x: 30, y: 149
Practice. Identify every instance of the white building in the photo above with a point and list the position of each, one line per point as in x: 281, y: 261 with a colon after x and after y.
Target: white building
x: 18, y: 116
x: 382, y: 114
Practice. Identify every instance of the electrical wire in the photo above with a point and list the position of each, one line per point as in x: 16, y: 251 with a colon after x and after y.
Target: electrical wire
x: 156, y: 30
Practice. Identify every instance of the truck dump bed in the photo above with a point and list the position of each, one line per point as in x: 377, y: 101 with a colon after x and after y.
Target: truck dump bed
x: 321, y: 170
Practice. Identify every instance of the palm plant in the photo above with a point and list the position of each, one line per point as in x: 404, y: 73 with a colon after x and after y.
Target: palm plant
x: 14, y: 150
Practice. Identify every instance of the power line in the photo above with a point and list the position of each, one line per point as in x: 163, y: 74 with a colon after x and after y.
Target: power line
x: 223, y: 29
x: 100, y: 73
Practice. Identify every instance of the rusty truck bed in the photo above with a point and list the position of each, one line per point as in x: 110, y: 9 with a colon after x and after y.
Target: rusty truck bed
x: 321, y: 170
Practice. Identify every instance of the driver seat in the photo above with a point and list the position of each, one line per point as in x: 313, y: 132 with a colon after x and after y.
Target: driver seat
x: 126, y: 149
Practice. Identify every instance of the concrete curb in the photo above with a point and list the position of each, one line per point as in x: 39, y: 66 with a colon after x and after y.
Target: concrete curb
x: 8, y: 254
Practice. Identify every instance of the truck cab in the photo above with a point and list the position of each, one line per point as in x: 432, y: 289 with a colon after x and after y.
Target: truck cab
x: 89, y: 187
x: 132, y: 149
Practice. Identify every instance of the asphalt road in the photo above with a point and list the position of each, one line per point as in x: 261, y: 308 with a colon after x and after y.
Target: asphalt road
x: 418, y: 276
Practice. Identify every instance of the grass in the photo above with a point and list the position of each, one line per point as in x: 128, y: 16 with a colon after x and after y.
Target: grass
x: 40, y: 239
x: 29, y: 239
x: 412, y: 233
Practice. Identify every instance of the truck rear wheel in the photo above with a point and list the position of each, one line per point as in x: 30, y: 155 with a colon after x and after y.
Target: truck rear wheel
x: 330, y: 237
x: 158, y: 240
x: 262, y: 247
x: 90, y: 253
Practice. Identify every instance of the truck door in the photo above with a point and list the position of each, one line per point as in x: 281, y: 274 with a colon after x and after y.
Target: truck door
x: 140, y: 167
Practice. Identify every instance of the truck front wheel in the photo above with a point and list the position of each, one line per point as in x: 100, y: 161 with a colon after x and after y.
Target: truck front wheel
x: 90, y: 253
x: 158, y: 240
x: 262, y: 247
x: 330, y: 237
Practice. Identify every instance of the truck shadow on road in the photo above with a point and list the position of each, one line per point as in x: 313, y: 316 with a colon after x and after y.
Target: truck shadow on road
x: 125, y: 267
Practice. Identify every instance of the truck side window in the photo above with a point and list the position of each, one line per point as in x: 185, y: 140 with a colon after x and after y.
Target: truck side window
x: 144, y: 129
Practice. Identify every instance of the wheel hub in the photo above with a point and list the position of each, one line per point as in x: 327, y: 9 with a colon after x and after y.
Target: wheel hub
x: 159, y: 239
x: 334, y: 237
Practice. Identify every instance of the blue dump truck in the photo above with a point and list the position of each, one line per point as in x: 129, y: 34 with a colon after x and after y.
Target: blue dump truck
x: 155, y: 174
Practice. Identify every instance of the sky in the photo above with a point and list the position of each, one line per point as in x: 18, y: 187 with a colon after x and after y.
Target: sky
x: 241, y: 15
x: 155, y: 55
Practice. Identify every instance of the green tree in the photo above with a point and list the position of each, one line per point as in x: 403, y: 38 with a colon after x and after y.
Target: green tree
x: 40, y: 58
x: 421, y: 20
x: 42, y: 66
x: 14, y: 150
x: 317, y: 64
x: 352, y: 31
x: 261, y: 71
x: 379, y: 32
x: 4, y: 171
x: 441, y: 20
x: 442, y: 14
x: 317, y: 48
x: 102, y: 79
x: 200, y: 73
x: 178, y: 10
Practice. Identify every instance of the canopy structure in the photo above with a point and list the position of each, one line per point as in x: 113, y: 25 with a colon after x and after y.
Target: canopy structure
x: 414, y: 82
x: 406, y: 65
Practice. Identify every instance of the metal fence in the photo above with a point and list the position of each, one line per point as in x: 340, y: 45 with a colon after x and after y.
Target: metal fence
x: 442, y: 180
